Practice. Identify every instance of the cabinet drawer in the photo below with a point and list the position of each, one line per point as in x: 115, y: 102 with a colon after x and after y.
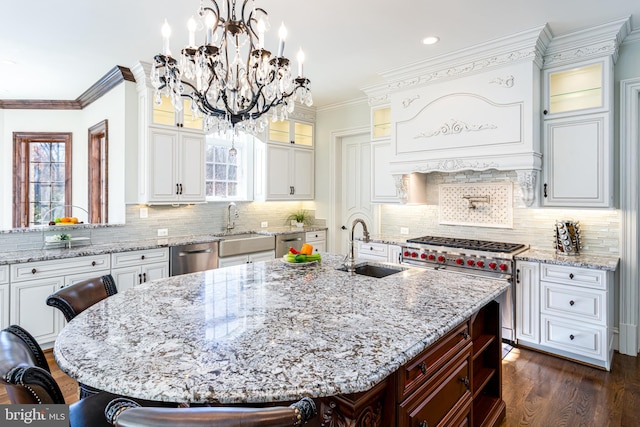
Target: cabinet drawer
x: 440, y: 400
x: 146, y: 256
x: 574, y: 302
x: 59, y: 267
x: 427, y: 363
x: 574, y: 337
x: 314, y: 236
x: 574, y: 275
x: 378, y: 250
x: 4, y: 274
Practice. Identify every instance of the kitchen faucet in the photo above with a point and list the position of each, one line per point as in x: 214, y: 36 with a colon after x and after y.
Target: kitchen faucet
x: 230, y: 223
x: 351, y: 263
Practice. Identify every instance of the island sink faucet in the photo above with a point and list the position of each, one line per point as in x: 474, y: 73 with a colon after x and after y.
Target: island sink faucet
x: 351, y: 263
x: 230, y: 223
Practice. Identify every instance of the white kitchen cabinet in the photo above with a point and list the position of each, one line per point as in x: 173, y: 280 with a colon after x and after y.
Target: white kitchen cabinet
x: 577, y: 135
x: 135, y: 267
x: 383, y: 185
x: 31, y: 283
x: 577, y: 169
x: 286, y: 173
x: 373, y: 251
x: 318, y: 239
x: 566, y: 310
x: 380, y: 122
x: 164, y: 114
x: 527, y: 290
x: 4, y: 296
x: 394, y: 254
x: 246, y: 258
x: 176, y: 170
x: 291, y: 132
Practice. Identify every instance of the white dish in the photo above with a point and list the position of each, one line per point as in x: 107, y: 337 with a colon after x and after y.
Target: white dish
x: 299, y: 264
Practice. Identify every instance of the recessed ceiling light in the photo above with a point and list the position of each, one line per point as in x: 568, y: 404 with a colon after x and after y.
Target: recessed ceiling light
x: 430, y: 40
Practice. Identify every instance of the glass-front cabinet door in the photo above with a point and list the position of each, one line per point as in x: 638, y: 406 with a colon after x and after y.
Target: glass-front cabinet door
x: 165, y: 114
x: 578, y: 88
x: 291, y: 132
x: 381, y: 122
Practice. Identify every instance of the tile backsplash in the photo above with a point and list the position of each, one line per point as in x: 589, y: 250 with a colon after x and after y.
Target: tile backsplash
x: 183, y: 220
x: 599, y: 228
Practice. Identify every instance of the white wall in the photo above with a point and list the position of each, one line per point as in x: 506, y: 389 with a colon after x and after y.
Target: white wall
x: 114, y: 106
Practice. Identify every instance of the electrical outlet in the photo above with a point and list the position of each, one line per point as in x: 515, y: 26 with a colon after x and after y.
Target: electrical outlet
x: 264, y: 224
x: 162, y: 232
x: 404, y: 230
x: 144, y: 212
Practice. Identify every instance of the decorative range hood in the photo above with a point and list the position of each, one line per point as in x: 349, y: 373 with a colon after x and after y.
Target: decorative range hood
x: 475, y: 109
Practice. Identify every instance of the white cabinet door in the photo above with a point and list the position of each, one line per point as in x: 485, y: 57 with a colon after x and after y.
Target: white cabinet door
x: 528, y: 301
x: 30, y: 310
x: 155, y: 271
x: 232, y: 260
x: 262, y: 256
x: 394, y: 254
x: 383, y: 187
x: 176, y: 166
x: 191, y: 168
x: 4, y: 306
x: 302, y: 173
x: 289, y: 173
x: 126, y: 277
x: 577, y: 162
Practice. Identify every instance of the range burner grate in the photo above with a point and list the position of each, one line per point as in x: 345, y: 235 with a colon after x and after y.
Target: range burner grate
x: 479, y: 245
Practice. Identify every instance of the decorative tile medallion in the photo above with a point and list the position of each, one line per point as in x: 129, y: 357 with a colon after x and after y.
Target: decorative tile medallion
x: 477, y: 204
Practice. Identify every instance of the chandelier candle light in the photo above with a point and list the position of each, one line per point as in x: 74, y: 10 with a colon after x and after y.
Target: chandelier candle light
x: 231, y: 79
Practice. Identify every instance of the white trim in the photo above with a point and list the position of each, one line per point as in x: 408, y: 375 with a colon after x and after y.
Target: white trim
x: 335, y: 171
x: 629, y: 140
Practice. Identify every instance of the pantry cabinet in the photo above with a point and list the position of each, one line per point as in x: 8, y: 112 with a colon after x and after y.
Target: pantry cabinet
x: 176, y: 170
x: 577, y: 135
x: 566, y: 310
x: 135, y: 267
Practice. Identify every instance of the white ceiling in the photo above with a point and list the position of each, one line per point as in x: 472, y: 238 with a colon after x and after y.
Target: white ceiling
x: 58, y: 49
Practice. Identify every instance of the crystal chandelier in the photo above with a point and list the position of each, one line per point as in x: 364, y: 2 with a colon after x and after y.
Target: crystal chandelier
x: 231, y: 79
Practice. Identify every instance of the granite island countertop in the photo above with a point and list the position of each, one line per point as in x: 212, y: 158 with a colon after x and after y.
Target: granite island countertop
x: 17, y: 257
x: 265, y: 331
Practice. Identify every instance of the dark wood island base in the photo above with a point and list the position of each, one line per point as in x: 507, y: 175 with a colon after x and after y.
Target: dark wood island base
x: 455, y: 382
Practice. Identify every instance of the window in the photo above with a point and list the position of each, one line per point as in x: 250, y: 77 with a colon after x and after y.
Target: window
x: 228, y: 177
x: 42, y: 178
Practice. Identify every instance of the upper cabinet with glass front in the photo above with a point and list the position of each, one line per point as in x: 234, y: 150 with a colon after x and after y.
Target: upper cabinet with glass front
x: 577, y: 88
x: 164, y: 114
x: 291, y: 132
x: 381, y: 122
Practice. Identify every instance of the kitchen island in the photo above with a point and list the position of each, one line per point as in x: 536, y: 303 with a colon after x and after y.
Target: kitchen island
x: 372, y: 351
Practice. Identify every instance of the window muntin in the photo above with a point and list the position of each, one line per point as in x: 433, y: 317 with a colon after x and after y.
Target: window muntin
x: 228, y: 177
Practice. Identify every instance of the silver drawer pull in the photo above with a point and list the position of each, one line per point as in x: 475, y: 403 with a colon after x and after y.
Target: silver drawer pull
x: 291, y: 240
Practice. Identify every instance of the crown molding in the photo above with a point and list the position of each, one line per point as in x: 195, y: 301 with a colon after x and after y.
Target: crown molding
x: 114, y: 77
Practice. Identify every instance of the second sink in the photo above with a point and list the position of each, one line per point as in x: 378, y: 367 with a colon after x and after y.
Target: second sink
x: 246, y: 243
x: 375, y: 270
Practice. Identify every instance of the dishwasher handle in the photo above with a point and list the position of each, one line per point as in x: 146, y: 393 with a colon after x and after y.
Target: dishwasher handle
x: 297, y: 239
x: 198, y: 251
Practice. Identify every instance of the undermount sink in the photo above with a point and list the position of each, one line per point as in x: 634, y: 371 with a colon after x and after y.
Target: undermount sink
x: 374, y: 270
x: 245, y: 243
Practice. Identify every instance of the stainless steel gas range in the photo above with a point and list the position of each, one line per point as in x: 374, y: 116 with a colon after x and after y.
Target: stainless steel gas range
x: 472, y: 257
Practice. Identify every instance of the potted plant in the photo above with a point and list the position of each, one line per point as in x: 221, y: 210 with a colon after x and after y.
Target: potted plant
x: 301, y: 217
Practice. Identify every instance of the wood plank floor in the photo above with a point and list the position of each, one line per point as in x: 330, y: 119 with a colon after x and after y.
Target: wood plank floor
x: 539, y: 390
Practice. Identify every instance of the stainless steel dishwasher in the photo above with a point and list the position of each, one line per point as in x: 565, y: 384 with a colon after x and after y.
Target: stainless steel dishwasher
x: 286, y: 241
x: 193, y: 257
